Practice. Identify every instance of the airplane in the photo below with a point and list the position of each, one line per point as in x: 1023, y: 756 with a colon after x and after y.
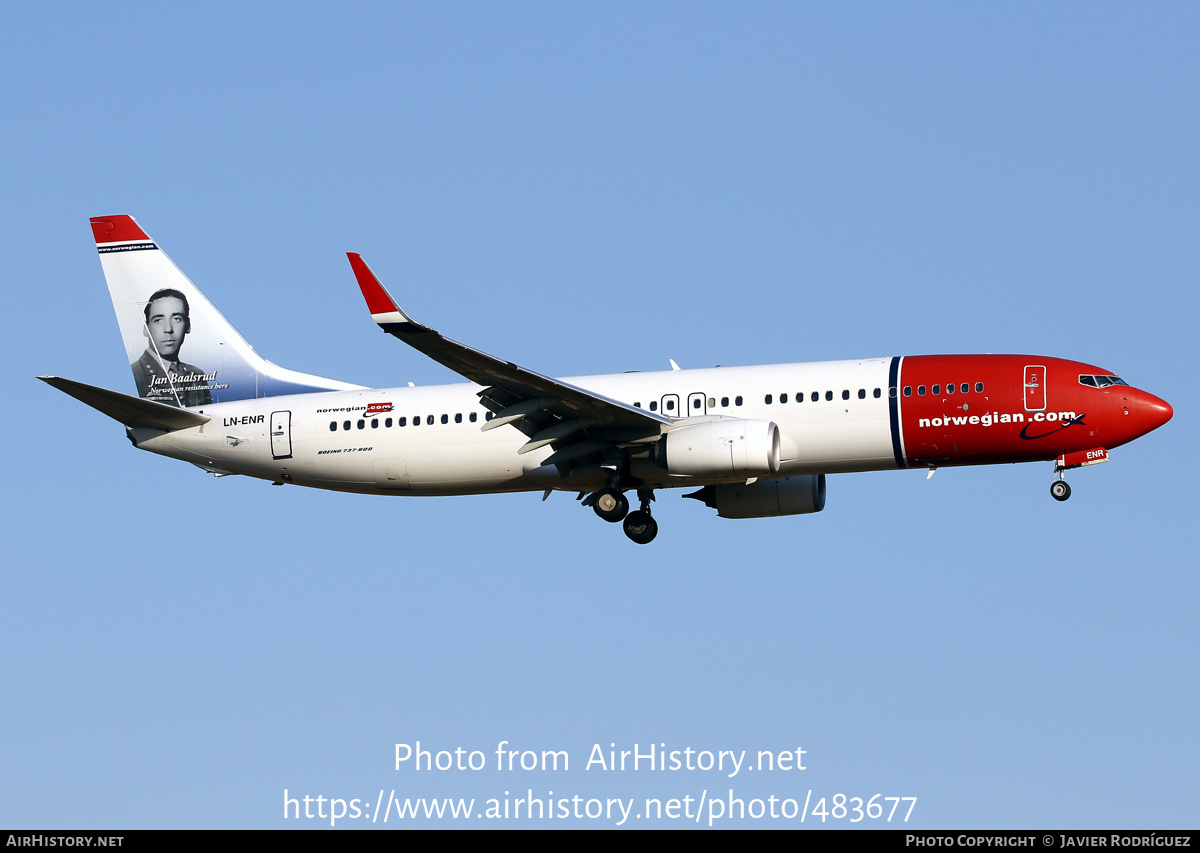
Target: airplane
x: 753, y: 442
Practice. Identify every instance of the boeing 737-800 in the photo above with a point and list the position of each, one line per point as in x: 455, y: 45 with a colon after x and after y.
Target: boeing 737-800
x: 752, y: 441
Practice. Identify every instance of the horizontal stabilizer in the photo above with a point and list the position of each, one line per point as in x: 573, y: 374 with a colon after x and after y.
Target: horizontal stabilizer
x: 131, y: 411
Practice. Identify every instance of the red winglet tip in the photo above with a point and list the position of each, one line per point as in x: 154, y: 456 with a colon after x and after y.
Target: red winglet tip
x: 116, y: 229
x: 378, y: 301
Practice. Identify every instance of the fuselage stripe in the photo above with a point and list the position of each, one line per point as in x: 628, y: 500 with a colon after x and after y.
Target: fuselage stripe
x: 894, y: 409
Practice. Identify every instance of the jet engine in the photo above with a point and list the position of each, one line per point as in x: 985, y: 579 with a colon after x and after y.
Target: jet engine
x: 766, y: 498
x: 725, y: 448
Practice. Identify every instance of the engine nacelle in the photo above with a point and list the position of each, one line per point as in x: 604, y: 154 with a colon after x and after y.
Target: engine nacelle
x: 725, y: 448
x: 766, y: 498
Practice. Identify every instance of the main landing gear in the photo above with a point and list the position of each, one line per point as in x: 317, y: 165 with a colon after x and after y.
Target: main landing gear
x: 640, y: 526
x: 612, y: 505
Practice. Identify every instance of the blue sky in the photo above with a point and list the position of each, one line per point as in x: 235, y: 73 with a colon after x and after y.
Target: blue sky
x: 589, y: 189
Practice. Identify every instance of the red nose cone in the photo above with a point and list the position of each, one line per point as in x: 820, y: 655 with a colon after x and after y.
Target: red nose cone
x: 1152, y: 412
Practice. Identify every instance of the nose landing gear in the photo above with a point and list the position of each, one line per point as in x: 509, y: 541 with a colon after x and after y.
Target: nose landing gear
x: 1059, y: 490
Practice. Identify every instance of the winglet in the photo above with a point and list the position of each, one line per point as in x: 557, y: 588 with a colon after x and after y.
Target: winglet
x: 380, y: 303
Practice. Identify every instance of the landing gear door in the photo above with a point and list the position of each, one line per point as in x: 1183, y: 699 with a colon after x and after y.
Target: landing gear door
x: 1035, y: 388
x: 281, y: 435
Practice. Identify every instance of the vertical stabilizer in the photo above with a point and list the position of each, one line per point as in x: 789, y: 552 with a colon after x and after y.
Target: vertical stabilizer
x: 181, y: 349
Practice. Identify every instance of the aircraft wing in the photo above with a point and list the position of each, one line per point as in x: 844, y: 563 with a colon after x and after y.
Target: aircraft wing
x: 575, y: 421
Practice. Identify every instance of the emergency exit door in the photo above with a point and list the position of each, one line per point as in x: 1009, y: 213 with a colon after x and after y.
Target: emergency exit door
x: 281, y: 435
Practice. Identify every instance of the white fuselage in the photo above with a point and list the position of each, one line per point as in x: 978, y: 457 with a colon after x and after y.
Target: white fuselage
x: 341, y: 439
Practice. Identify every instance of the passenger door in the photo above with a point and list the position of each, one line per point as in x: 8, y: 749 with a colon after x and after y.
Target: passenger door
x: 1035, y: 388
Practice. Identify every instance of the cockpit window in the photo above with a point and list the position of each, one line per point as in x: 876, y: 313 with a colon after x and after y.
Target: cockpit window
x: 1101, y: 381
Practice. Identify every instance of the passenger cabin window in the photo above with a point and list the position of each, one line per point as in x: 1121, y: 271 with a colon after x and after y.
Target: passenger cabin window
x: 474, y: 417
x: 816, y: 395
x: 907, y: 390
x: 725, y: 402
x: 920, y: 390
x: 846, y: 394
x: 388, y: 423
x: 374, y: 423
x: 950, y: 388
x: 937, y: 389
x: 429, y: 420
x: 862, y: 393
x: 333, y: 426
x: 362, y: 425
x: 737, y: 401
x: 978, y: 387
x: 403, y: 422
x: 965, y: 387
x: 767, y: 399
x: 783, y: 398
x: 877, y: 393
x: 828, y: 395
x: 696, y: 404
x: 458, y: 418
x: 654, y: 405
x: 345, y: 424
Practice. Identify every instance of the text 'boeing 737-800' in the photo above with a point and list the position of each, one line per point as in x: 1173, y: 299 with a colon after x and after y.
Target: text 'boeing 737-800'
x: 752, y: 442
